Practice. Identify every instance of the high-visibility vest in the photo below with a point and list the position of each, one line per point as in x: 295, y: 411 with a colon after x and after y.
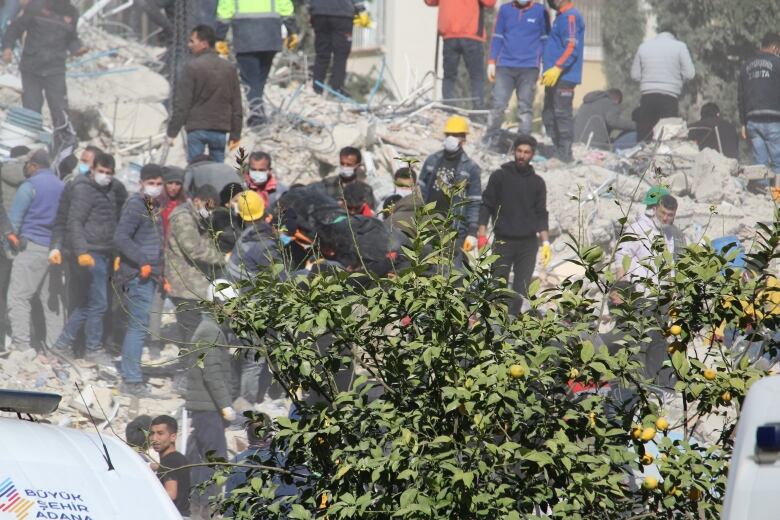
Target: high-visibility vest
x: 235, y: 9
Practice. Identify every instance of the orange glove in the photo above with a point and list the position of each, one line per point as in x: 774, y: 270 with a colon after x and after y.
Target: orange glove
x: 86, y: 260
x: 167, y: 286
x: 775, y: 196
x: 146, y: 271
x: 117, y: 263
x: 13, y: 240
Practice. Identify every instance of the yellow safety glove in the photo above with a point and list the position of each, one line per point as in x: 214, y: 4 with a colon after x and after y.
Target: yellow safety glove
x: 233, y: 144
x: 117, y: 263
x: 86, y: 260
x: 546, y: 254
x: 292, y: 41
x: 551, y: 76
x: 223, y: 48
x: 363, y: 20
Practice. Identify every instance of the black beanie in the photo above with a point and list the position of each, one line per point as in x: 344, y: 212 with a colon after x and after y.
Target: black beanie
x: 173, y: 174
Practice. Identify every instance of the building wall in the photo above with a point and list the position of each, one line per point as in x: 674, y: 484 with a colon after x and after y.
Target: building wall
x: 405, y: 35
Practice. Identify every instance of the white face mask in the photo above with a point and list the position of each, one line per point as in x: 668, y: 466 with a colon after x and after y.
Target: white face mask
x: 204, y: 213
x: 234, y: 208
x: 402, y: 191
x: 451, y: 143
x: 153, y: 191
x: 347, y: 172
x: 102, y: 179
x: 258, y: 176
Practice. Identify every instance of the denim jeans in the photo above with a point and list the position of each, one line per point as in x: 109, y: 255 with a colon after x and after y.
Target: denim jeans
x: 474, y: 58
x: 254, y: 68
x: 198, y: 140
x: 558, y: 118
x: 139, y: 295
x: 90, y: 314
x: 509, y: 80
x: 765, y: 138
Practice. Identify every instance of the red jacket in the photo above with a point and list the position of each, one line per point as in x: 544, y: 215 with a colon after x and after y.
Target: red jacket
x: 462, y: 18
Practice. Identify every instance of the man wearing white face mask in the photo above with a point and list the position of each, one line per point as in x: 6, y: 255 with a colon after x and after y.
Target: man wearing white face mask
x: 403, y: 211
x: 139, y: 240
x: 350, y: 170
x: 449, y: 169
x: 192, y: 257
x: 96, y: 201
x: 86, y: 163
x: 259, y: 177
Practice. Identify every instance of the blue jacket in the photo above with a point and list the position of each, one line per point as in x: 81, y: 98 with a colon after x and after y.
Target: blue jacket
x: 35, y: 207
x: 565, y: 47
x: 519, y: 36
x: 139, y: 237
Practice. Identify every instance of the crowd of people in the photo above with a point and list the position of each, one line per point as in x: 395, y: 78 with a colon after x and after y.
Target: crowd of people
x: 80, y: 252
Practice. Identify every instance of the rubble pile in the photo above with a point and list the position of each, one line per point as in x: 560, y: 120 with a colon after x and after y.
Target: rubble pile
x: 117, y: 96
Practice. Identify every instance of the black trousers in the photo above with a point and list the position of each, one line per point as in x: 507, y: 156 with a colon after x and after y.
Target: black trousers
x: 516, y: 255
x: 208, y: 434
x: 558, y: 118
x: 35, y: 86
x: 332, y: 40
x: 652, y: 108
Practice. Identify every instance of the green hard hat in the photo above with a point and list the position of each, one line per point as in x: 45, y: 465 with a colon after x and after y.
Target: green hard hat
x: 654, y: 194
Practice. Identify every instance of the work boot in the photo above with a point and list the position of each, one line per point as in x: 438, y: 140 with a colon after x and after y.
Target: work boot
x: 135, y: 389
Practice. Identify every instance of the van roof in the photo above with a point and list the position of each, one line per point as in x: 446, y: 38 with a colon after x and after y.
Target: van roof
x: 61, y: 472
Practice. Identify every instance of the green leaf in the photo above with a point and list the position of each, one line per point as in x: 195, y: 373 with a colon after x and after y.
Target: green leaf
x: 587, y: 351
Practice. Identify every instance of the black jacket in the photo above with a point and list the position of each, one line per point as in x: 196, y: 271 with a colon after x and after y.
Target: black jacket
x: 759, y: 89
x: 725, y: 140
x: 209, y: 97
x: 516, y: 201
x: 50, y: 29
x: 138, y: 237
x: 93, y: 215
x: 208, y: 382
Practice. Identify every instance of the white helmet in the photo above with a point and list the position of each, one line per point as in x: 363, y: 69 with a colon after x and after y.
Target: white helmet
x: 220, y: 290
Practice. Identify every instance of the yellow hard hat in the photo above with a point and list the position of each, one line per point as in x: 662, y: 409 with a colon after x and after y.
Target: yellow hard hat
x: 456, y: 125
x: 251, y: 206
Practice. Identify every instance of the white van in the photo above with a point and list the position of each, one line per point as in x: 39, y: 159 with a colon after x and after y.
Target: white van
x: 754, y: 473
x: 58, y: 473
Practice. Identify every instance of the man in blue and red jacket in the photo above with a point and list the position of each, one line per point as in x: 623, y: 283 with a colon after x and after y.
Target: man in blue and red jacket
x: 562, y: 71
x: 519, y: 34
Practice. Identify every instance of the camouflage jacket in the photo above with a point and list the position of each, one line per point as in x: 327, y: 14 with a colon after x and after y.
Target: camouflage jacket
x: 192, y: 257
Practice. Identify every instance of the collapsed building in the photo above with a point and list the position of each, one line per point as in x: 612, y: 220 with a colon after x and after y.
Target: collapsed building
x: 118, y: 97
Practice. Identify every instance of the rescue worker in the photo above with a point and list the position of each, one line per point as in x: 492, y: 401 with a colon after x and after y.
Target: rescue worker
x: 257, y: 37
x: 562, y: 71
x: 332, y: 21
x: 448, y: 169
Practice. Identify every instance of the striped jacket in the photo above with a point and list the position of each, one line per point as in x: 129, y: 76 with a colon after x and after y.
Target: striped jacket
x: 565, y: 47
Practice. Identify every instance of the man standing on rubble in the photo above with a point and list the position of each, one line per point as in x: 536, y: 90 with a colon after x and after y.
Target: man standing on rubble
x: 208, y: 103
x: 32, y: 217
x: 50, y: 31
x: 661, y: 66
x: 191, y: 257
x: 462, y: 26
x: 562, y: 72
x: 449, y: 170
x: 332, y: 21
x: 516, y: 201
x: 759, y: 105
x: 516, y: 46
x: 139, y: 240
x: 257, y: 37
x: 95, y: 205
